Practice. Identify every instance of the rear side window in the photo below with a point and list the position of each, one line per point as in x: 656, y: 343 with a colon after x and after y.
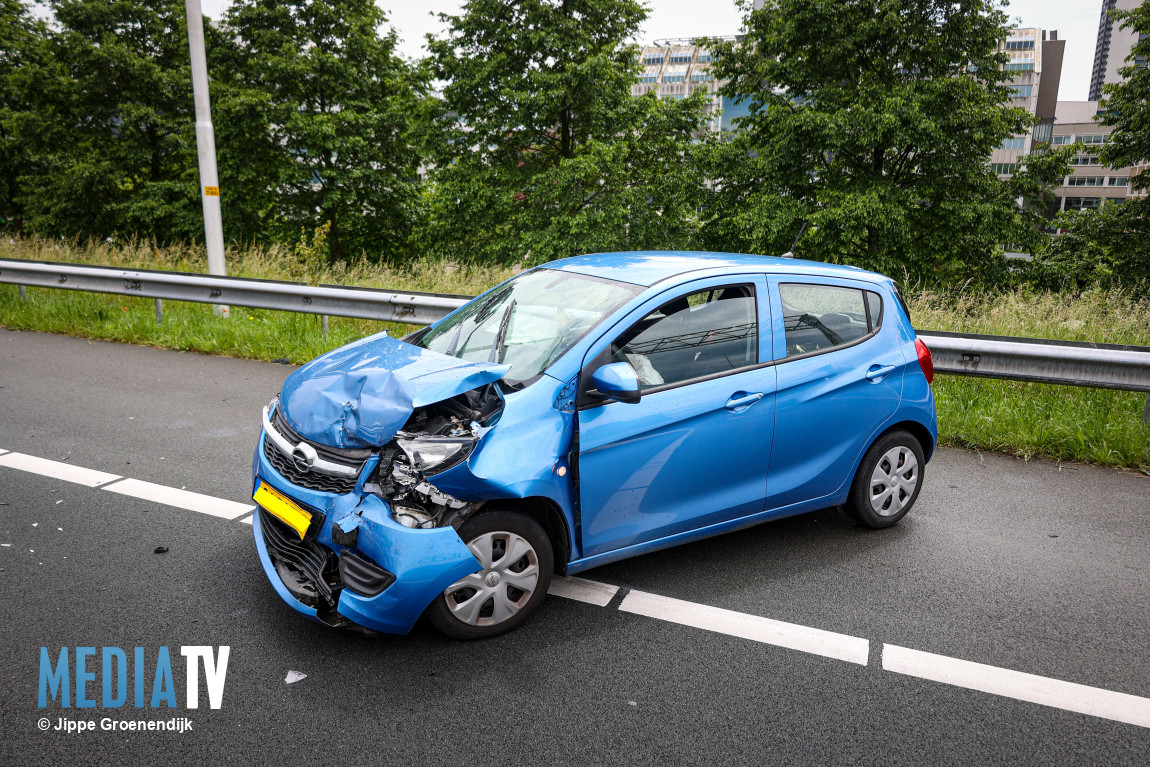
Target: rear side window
x: 818, y: 318
x: 702, y: 334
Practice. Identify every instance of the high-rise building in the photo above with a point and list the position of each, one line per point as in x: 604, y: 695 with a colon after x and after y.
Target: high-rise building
x: 1114, y: 45
x: 1035, y: 66
x: 676, y: 68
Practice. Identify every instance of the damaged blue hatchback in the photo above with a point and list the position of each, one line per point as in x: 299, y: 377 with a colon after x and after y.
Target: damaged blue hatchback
x: 585, y: 411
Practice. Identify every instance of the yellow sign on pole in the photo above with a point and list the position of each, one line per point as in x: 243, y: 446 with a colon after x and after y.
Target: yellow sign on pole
x: 212, y: 191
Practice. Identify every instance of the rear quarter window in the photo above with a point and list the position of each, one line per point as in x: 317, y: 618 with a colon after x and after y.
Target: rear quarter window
x: 818, y: 318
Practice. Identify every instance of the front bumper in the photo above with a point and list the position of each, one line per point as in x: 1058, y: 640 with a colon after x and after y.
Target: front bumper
x: 424, y: 562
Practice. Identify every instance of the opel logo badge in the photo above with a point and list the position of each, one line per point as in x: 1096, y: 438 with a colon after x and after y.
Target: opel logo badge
x: 303, y: 457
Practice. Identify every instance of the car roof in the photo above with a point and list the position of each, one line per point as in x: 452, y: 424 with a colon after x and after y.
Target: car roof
x: 647, y: 267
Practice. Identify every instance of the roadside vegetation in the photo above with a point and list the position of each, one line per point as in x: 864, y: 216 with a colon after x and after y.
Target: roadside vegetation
x: 1027, y: 420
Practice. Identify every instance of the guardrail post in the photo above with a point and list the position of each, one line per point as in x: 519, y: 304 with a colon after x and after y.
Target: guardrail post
x: 159, y: 311
x: 323, y: 324
x: 23, y: 293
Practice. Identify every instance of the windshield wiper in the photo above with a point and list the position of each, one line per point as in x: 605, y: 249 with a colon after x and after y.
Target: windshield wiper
x: 497, y: 346
x: 483, y: 311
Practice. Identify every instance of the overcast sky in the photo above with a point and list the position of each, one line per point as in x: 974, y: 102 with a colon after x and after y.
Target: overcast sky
x: 1075, y: 20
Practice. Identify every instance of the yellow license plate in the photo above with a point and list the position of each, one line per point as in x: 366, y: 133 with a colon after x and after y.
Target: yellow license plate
x: 282, y: 507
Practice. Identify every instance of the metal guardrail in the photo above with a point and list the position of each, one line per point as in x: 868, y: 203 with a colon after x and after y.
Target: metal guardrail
x: 1070, y: 363
x: 338, y: 301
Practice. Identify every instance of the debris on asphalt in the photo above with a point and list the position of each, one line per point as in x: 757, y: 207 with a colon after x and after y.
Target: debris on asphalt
x: 293, y: 677
x: 632, y: 703
x: 282, y: 361
x: 35, y: 524
x: 59, y: 501
x: 161, y: 550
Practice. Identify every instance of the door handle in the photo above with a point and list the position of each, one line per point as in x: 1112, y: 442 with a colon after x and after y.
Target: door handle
x: 743, y: 400
x: 878, y: 372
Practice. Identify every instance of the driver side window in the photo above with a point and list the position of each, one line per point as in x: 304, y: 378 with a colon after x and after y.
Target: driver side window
x: 701, y: 334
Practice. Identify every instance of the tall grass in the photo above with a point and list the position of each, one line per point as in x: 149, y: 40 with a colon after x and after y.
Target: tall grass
x: 1027, y: 420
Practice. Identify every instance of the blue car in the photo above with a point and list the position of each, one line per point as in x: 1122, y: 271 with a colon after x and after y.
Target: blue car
x: 585, y: 411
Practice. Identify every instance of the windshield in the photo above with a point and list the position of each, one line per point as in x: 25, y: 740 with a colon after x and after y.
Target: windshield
x: 529, y: 321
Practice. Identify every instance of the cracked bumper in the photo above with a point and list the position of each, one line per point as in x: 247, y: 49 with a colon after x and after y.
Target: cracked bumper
x: 424, y: 562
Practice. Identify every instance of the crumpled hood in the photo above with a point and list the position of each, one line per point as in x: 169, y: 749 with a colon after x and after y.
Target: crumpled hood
x: 361, y: 394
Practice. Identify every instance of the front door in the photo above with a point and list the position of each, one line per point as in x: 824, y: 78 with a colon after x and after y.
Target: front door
x: 694, y: 450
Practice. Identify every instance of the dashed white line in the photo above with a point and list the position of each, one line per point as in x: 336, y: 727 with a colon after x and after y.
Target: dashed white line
x: 591, y: 592
x: 57, y: 470
x: 1093, y: 701
x: 789, y: 635
x: 1032, y: 688
x: 183, y: 499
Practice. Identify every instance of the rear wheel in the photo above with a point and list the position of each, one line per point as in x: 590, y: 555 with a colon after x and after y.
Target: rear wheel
x: 516, y: 559
x: 888, y: 481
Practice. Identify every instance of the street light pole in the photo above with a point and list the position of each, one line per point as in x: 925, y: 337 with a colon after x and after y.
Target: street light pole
x: 206, y: 147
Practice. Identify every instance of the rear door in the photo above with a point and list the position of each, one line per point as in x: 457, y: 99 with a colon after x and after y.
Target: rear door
x: 694, y: 450
x: 839, y: 368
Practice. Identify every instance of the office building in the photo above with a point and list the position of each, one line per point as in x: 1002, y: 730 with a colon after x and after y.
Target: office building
x: 1035, y: 66
x: 1114, y: 45
x: 676, y: 68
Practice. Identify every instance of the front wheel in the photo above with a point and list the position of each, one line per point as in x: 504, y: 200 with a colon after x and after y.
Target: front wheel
x: 888, y: 481
x: 516, y: 559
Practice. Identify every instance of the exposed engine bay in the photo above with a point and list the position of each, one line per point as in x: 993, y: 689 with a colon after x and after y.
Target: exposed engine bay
x: 435, y: 438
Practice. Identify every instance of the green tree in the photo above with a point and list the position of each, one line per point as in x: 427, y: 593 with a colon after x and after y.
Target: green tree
x: 1112, y: 244
x: 107, y: 123
x: 871, y: 122
x: 316, y: 123
x: 22, y: 41
x: 545, y: 152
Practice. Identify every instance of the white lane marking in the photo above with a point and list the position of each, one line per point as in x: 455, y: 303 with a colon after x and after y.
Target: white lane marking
x: 2, y: 451
x: 753, y: 627
x: 591, y: 592
x: 1055, y: 693
x: 1032, y: 688
x: 57, y: 470
x: 184, y: 499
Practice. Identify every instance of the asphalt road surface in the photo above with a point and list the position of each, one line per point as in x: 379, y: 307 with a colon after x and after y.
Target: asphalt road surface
x: 1039, y: 572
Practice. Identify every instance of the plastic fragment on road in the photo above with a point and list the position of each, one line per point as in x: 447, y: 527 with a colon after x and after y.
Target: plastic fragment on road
x: 161, y: 550
x: 293, y: 677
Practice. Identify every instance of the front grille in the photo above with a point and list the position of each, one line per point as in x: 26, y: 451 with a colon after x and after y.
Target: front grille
x: 341, y: 455
x: 312, y: 480
x: 309, y: 569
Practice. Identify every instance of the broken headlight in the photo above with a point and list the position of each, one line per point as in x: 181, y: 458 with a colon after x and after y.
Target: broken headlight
x: 431, y: 455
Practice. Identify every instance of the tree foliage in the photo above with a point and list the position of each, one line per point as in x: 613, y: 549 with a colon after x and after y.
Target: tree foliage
x: 21, y: 43
x: 871, y: 122
x: 1112, y: 244
x: 316, y: 123
x: 545, y: 152
x: 107, y: 123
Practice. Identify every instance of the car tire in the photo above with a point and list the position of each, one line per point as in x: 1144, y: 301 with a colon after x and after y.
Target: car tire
x: 505, y: 592
x: 888, y: 481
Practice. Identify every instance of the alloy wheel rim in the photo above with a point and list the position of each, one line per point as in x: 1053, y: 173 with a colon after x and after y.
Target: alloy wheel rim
x: 893, y: 481
x: 502, y: 588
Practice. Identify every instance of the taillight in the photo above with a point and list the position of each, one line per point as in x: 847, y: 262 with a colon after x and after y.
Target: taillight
x: 925, y: 361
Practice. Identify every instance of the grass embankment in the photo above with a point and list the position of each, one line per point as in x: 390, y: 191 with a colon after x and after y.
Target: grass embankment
x: 1027, y: 420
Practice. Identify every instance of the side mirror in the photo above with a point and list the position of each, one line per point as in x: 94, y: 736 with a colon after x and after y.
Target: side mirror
x: 617, y: 381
